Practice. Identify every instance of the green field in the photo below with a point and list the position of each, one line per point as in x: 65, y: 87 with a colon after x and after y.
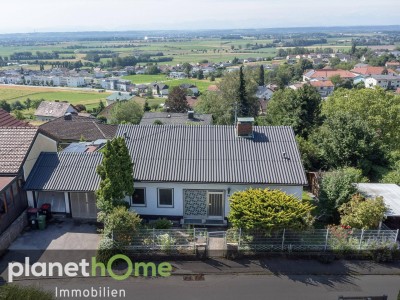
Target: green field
x: 142, y: 79
x: 14, y: 93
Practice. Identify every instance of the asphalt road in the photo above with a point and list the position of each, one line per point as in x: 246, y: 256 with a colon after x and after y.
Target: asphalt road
x: 243, y: 287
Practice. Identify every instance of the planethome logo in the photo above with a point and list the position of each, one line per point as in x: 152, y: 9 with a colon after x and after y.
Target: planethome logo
x: 86, y: 268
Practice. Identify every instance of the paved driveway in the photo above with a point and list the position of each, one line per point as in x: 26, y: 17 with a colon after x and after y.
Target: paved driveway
x: 60, y: 234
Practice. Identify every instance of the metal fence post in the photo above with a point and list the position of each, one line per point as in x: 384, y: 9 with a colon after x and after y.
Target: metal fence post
x: 283, y: 238
x: 194, y: 240
x: 361, y: 238
x: 240, y: 237
x: 326, y: 239
x: 154, y: 237
x: 397, y: 236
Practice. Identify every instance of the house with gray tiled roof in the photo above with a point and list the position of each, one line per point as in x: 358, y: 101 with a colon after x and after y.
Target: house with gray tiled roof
x: 184, y: 173
x: 166, y: 118
x: 20, y: 147
x: 48, y: 110
x: 74, y: 128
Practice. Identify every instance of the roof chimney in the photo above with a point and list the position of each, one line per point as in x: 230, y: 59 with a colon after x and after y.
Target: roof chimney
x: 68, y: 117
x: 244, y: 127
x: 190, y: 114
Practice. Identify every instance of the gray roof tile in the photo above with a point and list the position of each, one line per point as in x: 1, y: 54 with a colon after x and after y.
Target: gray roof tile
x: 207, y: 153
x: 65, y: 171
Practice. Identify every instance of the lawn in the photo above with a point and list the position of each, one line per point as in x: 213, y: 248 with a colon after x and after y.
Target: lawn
x: 13, y: 93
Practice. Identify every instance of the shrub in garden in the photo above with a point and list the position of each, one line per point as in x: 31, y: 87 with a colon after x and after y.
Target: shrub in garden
x: 121, y: 224
x: 268, y: 210
x: 337, y: 187
x: 162, y: 224
x: 107, y: 249
x: 166, y: 242
x: 362, y: 213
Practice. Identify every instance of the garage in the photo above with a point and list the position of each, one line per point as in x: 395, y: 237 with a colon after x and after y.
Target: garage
x: 83, y: 205
x: 67, y: 181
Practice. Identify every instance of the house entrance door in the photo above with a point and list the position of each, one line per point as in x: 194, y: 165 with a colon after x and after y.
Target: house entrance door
x: 215, y: 205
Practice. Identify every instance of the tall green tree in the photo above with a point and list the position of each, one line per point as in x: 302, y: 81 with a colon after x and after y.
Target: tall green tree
x: 380, y: 109
x: 261, y: 77
x: 176, y: 101
x: 222, y: 104
x: 346, y: 140
x: 116, y: 174
x: 300, y: 109
x: 126, y: 112
x: 243, y: 105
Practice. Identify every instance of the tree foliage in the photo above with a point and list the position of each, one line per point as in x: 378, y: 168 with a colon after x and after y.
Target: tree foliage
x: 176, y: 101
x: 299, y: 109
x: 268, y: 210
x: 362, y: 213
x: 393, y: 176
x: 116, y: 173
x: 380, y: 109
x: 121, y: 224
x: 346, y: 140
x: 126, y: 112
x: 261, y: 76
x: 336, y: 188
x: 222, y: 104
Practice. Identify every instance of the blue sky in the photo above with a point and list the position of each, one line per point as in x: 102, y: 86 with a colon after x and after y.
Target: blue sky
x: 77, y: 15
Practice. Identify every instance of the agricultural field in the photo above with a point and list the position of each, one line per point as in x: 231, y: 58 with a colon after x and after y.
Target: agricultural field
x: 88, y: 98
x: 139, y: 79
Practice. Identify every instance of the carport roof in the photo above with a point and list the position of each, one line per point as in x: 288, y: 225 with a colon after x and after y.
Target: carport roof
x: 65, y: 171
x: 389, y: 192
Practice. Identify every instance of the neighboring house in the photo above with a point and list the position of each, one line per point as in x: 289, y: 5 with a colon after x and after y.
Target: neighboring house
x: 177, y: 75
x: 82, y: 147
x: 119, y: 96
x: 67, y: 181
x: 325, y: 74
x: 159, y: 89
x: 166, y: 118
x: 391, y: 197
x: 48, y: 111
x: 369, y: 71
x: 192, y: 87
x: 324, y: 88
x: 20, y: 147
x: 7, y: 120
x: 264, y: 92
x: 297, y: 85
x: 187, y: 173
x: 389, y: 82
x: 74, y: 128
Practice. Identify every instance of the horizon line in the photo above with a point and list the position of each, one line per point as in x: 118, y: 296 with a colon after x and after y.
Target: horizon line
x: 202, y: 29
